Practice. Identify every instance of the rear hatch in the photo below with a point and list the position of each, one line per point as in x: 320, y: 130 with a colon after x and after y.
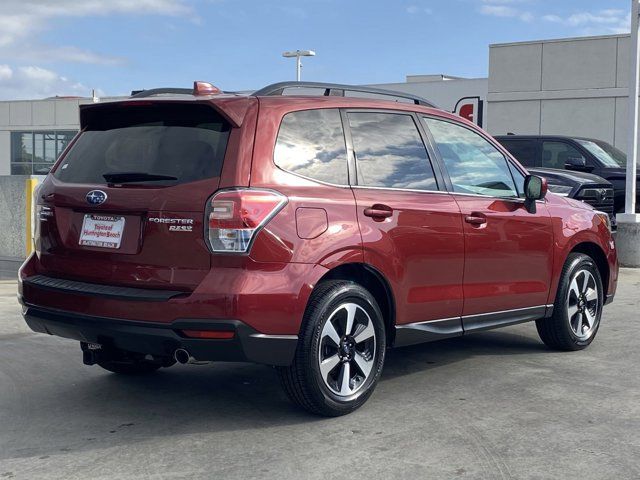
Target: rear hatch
x: 125, y: 205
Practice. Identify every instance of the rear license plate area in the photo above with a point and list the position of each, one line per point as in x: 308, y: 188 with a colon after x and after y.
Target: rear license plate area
x: 102, y: 231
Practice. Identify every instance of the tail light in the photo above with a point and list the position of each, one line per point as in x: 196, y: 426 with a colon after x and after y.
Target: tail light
x: 234, y: 217
x: 41, y: 213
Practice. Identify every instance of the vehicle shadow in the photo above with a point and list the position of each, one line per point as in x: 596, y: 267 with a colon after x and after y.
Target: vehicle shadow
x: 89, y: 408
x: 428, y: 356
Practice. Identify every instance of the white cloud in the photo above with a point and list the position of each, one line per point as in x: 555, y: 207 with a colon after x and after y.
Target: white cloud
x: 21, y: 20
x: 413, y: 9
x: 28, y: 82
x: 23, y: 54
x: 6, y: 72
x: 22, y: 17
x: 99, y: 7
x: 594, y: 23
x: 54, y: 54
x: 552, y: 18
x: 506, y: 2
x: 505, y: 11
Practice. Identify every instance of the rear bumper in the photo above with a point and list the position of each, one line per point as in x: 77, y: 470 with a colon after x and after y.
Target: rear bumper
x: 270, y: 298
x: 162, y: 339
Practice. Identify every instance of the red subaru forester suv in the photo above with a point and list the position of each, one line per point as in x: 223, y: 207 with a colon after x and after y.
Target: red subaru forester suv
x: 305, y: 226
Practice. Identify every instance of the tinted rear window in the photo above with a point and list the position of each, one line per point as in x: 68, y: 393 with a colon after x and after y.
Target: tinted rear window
x: 311, y: 143
x: 389, y: 152
x: 187, y: 142
x: 523, y: 150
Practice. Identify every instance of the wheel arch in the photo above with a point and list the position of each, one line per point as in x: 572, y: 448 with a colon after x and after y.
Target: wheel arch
x: 375, y: 282
x: 594, y: 251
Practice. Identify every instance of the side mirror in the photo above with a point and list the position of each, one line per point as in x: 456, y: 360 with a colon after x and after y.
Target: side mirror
x: 576, y: 163
x: 535, y: 188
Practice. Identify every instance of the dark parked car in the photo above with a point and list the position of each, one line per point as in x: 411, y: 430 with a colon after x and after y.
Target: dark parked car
x: 306, y: 232
x: 586, y: 187
x: 573, y: 153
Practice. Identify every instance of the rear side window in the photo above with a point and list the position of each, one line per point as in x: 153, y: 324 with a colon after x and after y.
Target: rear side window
x: 522, y: 150
x: 389, y: 152
x: 177, y: 141
x: 311, y: 143
x: 474, y: 165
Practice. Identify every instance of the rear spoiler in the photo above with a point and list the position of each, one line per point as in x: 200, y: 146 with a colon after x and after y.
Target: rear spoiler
x: 232, y: 108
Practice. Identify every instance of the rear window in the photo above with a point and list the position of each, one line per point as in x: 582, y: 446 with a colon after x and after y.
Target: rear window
x: 178, y: 143
x: 523, y: 150
x: 311, y: 143
x: 389, y: 152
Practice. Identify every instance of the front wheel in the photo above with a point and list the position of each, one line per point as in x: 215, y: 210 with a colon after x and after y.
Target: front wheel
x: 578, y: 306
x: 340, y: 351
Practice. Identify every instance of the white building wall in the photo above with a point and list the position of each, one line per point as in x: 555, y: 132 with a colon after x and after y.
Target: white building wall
x: 20, y: 113
x: 516, y: 67
x: 444, y: 93
x: 35, y: 115
x: 520, y: 116
x: 564, y: 87
x: 5, y: 149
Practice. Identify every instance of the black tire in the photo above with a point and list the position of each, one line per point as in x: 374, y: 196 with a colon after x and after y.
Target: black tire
x: 557, y: 331
x: 303, y: 381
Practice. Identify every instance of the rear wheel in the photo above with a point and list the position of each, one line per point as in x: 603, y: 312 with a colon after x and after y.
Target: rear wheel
x: 578, y: 306
x: 340, y: 351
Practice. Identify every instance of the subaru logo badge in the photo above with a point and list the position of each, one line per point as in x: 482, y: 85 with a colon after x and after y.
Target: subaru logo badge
x: 96, y: 197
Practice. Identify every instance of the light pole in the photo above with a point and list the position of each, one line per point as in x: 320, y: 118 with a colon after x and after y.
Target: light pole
x: 628, y: 237
x: 297, y: 54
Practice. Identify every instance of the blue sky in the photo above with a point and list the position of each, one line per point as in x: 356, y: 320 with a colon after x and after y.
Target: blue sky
x: 68, y: 47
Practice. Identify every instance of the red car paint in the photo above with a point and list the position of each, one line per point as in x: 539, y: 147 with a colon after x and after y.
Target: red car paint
x: 437, y: 263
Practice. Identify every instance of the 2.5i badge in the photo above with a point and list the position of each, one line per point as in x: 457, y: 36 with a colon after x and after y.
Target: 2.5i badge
x: 175, y: 224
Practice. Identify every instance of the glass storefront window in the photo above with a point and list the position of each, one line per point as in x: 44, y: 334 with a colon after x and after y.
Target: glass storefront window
x: 38, y: 147
x: 34, y: 153
x: 21, y: 147
x: 21, y: 169
x: 50, y: 147
x: 62, y: 140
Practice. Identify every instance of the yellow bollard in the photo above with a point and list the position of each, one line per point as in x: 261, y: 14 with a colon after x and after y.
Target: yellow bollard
x: 30, y: 187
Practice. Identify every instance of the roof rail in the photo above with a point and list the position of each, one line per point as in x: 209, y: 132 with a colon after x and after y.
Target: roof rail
x: 161, y: 91
x: 336, y: 89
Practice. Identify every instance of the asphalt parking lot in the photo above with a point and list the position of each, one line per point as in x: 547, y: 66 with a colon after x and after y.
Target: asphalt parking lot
x: 496, y: 405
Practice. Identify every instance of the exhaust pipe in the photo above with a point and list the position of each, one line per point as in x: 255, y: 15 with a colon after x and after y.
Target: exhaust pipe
x: 183, y: 356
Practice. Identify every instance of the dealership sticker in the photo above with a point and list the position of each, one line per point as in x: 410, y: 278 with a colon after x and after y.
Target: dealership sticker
x: 102, y: 231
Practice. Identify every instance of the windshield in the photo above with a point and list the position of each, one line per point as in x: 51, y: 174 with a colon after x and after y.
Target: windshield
x: 609, y: 155
x: 159, y: 143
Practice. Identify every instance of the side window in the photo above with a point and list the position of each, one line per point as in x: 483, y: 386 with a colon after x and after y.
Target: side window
x: 389, y: 151
x: 518, y: 177
x: 311, y: 143
x: 474, y: 165
x: 524, y: 151
x: 556, y: 154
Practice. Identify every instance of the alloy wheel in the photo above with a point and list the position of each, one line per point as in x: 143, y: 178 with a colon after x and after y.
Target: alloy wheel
x: 583, y: 304
x: 347, y: 349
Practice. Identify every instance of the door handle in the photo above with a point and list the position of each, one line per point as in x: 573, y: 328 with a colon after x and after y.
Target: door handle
x: 476, y: 219
x: 378, y: 211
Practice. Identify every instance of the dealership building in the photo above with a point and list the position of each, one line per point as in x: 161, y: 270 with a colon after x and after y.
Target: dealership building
x: 574, y: 86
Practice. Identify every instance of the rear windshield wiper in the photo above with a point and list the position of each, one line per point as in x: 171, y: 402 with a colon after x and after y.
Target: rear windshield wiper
x: 126, y: 177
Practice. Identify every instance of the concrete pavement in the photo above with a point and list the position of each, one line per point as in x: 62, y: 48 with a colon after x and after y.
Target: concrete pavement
x: 495, y: 405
